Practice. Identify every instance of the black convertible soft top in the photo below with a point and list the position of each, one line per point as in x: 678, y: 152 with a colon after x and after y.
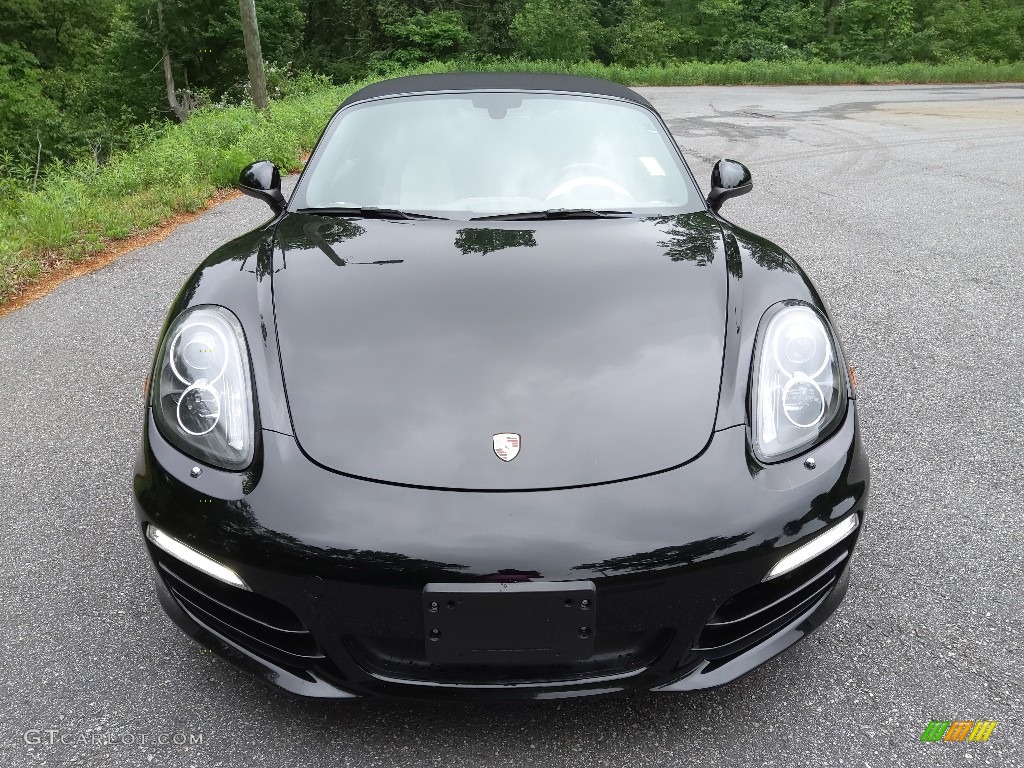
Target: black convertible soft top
x: 495, y: 81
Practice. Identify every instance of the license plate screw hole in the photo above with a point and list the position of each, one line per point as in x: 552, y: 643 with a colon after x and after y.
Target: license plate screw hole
x: 568, y: 602
x: 584, y: 605
x: 433, y: 606
x: 451, y: 605
x: 435, y: 635
x: 584, y: 632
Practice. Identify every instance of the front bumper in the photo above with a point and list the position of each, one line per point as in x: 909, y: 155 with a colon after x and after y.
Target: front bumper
x: 337, y: 567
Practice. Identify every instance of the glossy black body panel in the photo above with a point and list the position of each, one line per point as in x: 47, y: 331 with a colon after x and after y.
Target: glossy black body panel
x: 262, y: 180
x: 406, y: 345
x: 351, y: 557
x: 728, y: 179
x: 338, y: 563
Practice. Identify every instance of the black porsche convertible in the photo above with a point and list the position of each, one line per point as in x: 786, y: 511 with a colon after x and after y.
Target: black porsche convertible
x: 497, y: 404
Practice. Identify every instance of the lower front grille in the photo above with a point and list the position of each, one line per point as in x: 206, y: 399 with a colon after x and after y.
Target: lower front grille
x: 616, y: 654
x: 757, y: 613
x: 258, y: 624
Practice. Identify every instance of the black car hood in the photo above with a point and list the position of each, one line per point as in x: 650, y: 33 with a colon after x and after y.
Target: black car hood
x: 406, y: 345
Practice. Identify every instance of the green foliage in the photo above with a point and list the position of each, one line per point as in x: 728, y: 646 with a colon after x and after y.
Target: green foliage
x: 489, y: 23
x: 640, y: 39
x: 24, y: 109
x: 204, y: 41
x: 990, y: 30
x: 433, y: 36
x: 876, y: 31
x: 714, y: 26
x: 560, y: 30
x: 47, y: 63
x: 765, y: 30
x: 60, y: 34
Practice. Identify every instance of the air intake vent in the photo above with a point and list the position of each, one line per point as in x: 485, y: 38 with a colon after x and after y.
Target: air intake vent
x: 265, y: 628
x: 617, y: 653
x: 755, y: 614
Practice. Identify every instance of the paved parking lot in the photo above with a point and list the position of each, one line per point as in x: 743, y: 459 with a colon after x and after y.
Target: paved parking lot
x: 905, y: 204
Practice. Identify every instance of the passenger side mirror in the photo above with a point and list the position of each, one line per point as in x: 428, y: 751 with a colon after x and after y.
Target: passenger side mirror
x: 262, y: 180
x: 728, y: 179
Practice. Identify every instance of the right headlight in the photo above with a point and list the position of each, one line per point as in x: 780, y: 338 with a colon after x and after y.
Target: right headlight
x: 799, y: 387
x: 202, y: 392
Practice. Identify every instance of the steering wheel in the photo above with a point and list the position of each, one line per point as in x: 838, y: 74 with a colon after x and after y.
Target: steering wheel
x: 588, y: 181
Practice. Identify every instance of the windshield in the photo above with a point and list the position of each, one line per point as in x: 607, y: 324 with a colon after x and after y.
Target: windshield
x: 482, y: 154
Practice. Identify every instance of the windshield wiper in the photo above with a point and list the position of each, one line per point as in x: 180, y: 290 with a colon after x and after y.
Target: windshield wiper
x: 367, y: 212
x: 554, y: 213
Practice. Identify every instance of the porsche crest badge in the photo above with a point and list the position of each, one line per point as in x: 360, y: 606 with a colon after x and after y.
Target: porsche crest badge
x: 506, y: 445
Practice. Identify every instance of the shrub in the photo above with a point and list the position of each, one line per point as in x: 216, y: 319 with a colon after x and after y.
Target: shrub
x: 640, y: 40
x: 558, y: 30
x: 437, y: 35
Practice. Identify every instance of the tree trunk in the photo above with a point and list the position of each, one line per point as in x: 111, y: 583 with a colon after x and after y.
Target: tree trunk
x: 39, y: 162
x: 180, y: 112
x: 253, y: 53
x: 831, y: 6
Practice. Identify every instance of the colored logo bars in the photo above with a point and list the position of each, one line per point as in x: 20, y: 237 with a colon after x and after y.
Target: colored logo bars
x: 959, y: 730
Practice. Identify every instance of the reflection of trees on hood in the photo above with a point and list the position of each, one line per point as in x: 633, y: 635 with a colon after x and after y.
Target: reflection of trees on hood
x: 484, y: 240
x: 766, y: 255
x: 692, y: 237
x: 300, y: 233
x: 697, y: 239
x: 323, y: 233
x: 265, y: 260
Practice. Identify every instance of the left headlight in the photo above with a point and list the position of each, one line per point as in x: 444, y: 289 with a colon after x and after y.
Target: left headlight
x: 202, y: 393
x: 799, y: 388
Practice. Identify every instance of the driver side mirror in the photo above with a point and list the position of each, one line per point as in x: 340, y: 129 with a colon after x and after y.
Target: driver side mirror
x: 262, y: 180
x: 728, y: 179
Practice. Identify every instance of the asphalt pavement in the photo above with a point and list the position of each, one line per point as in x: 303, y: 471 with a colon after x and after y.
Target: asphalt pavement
x: 906, y: 206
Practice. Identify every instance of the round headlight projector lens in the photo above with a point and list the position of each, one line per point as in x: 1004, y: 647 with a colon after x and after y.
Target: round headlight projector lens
x: 803, y: 402
x: 801, y: 348
x: 198, y: 351
x: 198, y: 409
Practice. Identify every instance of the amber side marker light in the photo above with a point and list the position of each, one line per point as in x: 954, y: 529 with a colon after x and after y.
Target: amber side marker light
x: 853, y: 377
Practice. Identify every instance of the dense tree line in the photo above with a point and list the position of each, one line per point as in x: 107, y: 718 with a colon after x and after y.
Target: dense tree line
x: 80, y: 76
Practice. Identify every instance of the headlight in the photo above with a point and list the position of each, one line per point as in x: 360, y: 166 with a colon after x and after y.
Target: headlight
x: 202, y: 400
x: 798, y: 389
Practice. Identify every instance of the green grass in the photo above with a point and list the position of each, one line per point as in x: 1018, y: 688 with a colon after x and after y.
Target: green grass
x: 80, y: 208
x: 761, y: 72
